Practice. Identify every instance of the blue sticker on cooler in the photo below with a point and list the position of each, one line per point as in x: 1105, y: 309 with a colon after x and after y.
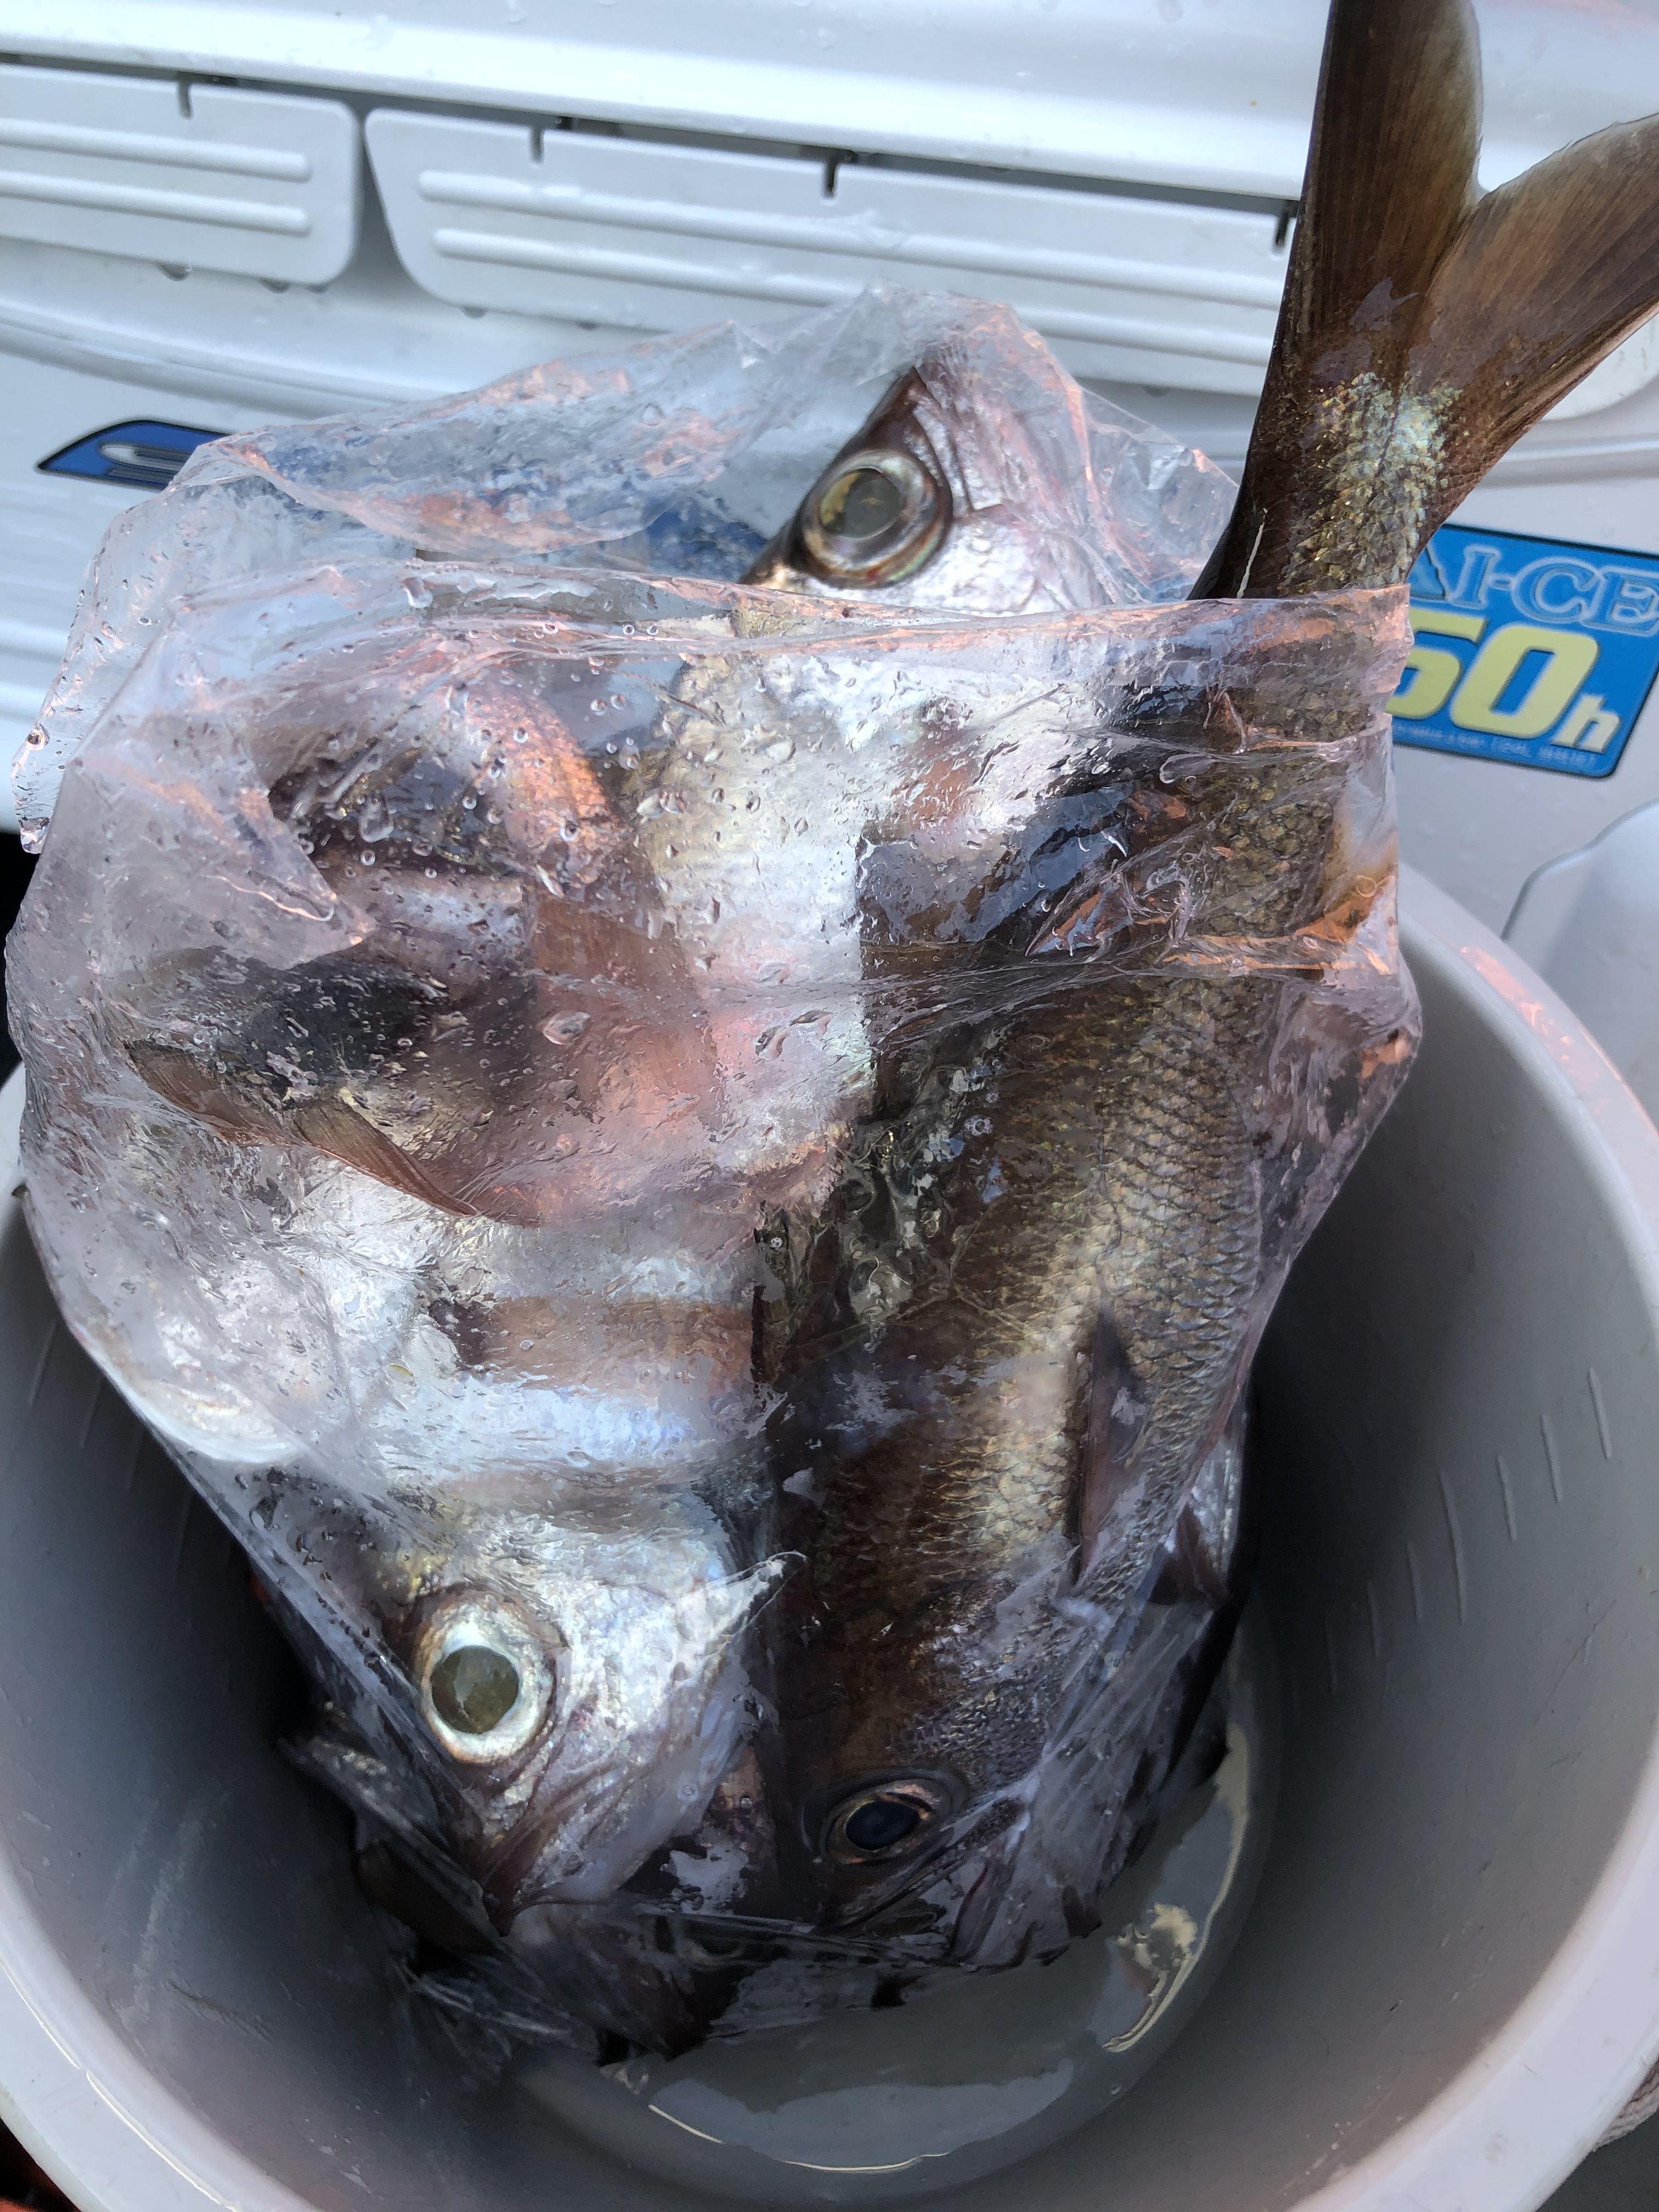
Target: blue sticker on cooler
x: 1528, y: 651
x: 144, y: 454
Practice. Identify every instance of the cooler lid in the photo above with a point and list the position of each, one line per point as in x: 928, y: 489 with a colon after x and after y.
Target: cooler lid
x: 1211, y: 96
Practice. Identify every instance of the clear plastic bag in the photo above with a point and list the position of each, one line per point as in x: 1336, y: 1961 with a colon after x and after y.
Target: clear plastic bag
x: 695, y: 1165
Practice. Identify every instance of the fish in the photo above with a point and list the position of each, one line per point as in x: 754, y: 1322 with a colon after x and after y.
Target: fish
x: 959, y: 1253
x: 555, y: 1689
x: 540, y: 1564
x: 1425, y: 325
x: 995, y: 1459
x: 944, y: 501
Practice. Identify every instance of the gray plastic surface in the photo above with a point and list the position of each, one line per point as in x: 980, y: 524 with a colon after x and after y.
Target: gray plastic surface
x: 1590, y: 924
x: 1450, y: 1980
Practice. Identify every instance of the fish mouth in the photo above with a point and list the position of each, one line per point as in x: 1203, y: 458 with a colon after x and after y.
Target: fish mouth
x: 665, y: 1980
x: 634, y: 1973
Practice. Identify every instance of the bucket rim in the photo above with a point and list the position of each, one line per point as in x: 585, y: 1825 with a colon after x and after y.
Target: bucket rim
x: 1505, y: 2131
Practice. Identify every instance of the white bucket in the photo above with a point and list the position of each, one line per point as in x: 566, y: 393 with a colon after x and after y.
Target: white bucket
x: 1449, y: 1981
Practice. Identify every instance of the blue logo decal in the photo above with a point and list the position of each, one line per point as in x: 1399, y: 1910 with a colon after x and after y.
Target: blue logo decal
x: 147, y: 455
x: 1528, y: 651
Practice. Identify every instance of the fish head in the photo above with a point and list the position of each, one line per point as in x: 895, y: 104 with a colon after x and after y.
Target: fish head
x: 545, y: 1536
x: 579, y: 1690
x: 905, y: 1778
x: 517, y: 1546
x: 945, y: 499
x: 974, y: 1739
x: 560, y: 1688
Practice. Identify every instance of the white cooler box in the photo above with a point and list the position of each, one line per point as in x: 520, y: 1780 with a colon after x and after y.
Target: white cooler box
x: 212, y: 215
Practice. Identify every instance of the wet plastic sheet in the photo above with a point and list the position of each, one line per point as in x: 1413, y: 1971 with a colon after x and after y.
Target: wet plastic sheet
x: 694, y: 1167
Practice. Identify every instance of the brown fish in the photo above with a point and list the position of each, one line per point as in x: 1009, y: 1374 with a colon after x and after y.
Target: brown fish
x: 1067, y: 1210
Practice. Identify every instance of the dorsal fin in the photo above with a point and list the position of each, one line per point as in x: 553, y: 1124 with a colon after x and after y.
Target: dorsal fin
x: 1424, y: 327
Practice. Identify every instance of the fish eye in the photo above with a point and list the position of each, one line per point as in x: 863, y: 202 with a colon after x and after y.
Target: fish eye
x: 873, y: 517
x: 474, y: 1688
x: 485, y: 1678
x: 861, y: 504
x: 884, y: 1821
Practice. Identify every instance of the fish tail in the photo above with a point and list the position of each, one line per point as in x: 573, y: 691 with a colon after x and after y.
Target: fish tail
x: 1425, y: 326
x: 1550, y: 272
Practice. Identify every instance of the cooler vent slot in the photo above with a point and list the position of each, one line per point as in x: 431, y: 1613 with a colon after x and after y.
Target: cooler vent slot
x: 256, y: 184
x: 653, y: 237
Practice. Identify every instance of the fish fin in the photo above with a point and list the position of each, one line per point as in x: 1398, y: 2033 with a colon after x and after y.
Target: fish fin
x: 333, y: 1125
x: 1390, y: 179
x: 329, y: 1125
x: 186, y: 1083
x: 1117, y: 1410
x: 1424, y: 327
x: 1190, y: 1570
x: 1548, y: 274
